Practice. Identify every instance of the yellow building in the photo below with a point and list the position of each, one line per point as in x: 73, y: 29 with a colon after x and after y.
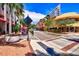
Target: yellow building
x: 71, y: 21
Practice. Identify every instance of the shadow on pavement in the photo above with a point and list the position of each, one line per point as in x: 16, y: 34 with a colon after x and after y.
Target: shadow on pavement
x: 49, y: 50
x: 52, y: 52
x: 75, y: 40
x: 39, y: 53
x: 63, y: 54
x: 12, y: 44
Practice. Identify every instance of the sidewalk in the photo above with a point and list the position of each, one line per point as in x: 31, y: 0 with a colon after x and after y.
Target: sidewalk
x: 68, y: 49
x: 61, y: 45
x: 64, y: 33
x: 22, y: 48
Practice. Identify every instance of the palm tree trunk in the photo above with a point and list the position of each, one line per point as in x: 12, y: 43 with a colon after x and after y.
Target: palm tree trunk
x: 10, y: 23
x: 19, y: 22
x: 13, y: 17
x: 5, y: 18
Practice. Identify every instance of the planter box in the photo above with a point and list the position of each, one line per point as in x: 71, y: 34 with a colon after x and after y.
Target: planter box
x: 12, y: 38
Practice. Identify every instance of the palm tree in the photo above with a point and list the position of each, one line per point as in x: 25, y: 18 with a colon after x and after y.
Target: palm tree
x: 19, y: 9
x: 12, y: 7
x: 19, y: 13
x: 64, y: 22
x: 48, y: 23
x: 47, y: 17
x: 10, y: 18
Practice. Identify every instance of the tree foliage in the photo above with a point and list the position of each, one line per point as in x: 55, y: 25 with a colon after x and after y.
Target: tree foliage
x: 65, y: 22
x: 16, y: 28
x: 32, y: 26
x: 48, y: 23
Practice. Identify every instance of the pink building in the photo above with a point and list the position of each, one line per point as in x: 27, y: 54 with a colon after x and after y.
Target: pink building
x: 2, y: 20
x: 40, y: 25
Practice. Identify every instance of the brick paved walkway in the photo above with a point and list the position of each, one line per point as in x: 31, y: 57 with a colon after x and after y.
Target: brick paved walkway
x: 22, y: 48
x: 66, y: 48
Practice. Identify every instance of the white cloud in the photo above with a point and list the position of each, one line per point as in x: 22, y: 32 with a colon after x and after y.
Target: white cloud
x: 34, y: 16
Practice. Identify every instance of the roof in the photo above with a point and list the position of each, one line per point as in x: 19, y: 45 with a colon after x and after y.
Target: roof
x: 68, y: 15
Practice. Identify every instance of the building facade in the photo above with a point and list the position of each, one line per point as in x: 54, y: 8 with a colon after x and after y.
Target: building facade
x: 5, y: 26
x: 56, y: 12
x: 68, y: 22
x: 40, y: 25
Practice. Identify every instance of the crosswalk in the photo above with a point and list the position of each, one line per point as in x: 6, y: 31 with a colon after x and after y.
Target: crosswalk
x: 38, y: 50
x: 55, y: 46
x: 41, y: 48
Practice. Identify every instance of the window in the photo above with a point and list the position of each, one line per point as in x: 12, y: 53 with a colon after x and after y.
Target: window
x: 2, y: 6
x: 7, y: 12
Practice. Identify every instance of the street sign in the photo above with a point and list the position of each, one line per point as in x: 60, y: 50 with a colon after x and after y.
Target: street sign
x: 27, y: 20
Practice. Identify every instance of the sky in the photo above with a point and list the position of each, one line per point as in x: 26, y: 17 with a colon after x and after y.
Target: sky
x: 37, y: 11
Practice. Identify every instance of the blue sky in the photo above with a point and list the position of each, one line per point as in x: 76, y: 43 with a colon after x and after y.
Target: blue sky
x: 45, y: 8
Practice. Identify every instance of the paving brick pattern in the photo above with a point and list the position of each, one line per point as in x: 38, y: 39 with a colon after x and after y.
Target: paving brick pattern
x: 66, y: 48
x: 22, y: 48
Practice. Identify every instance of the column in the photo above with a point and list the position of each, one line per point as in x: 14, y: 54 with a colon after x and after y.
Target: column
x: 69, y: 29
x: 5, y: 18
x: 10, y: 20
x: 74, y: 29
x: 10, y: 25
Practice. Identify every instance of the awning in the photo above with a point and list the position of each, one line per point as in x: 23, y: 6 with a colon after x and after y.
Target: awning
x: 2, y: 20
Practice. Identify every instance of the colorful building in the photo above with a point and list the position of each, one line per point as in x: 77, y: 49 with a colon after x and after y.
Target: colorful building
x: 68, y: 22
x: 40, y: 25
x: 5, y: 18
x: 2, y: 20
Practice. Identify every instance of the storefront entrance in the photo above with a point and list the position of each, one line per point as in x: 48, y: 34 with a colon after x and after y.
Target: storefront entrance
x: 69, y: 29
